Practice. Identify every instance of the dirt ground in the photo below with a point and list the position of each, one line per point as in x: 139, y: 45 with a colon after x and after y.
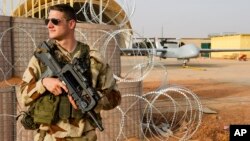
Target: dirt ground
x: 230, y: 101
x: 222, y: 85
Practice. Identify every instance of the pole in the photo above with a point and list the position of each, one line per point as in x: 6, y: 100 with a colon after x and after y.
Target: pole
x: 100, y: 12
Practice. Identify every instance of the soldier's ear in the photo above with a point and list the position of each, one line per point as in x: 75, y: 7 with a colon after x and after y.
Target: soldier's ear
x: 72, y: 24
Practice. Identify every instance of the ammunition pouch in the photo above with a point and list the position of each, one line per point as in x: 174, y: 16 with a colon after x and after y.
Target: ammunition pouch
x: 66, y: 111
x: 64, y: 107
x: 45, y: 109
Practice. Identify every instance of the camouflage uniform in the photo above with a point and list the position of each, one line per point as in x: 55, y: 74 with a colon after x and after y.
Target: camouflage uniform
x: 102, y: 79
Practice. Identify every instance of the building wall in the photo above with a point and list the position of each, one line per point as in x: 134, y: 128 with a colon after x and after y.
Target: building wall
x: 230, y: 42
x: 245, y: 43
x: 6, y: 52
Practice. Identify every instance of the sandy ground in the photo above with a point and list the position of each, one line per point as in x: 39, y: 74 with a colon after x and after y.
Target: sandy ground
x: 222, y: 86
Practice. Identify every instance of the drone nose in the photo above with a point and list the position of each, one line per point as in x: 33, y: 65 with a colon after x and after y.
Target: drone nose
x: 189, y: 51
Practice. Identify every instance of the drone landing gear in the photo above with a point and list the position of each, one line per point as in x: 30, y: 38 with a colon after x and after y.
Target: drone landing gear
x: 185, y: 61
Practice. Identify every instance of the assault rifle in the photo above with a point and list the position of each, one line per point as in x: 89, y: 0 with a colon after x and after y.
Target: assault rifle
x: 85, y: 96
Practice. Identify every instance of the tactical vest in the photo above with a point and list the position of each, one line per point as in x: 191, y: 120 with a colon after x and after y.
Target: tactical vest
x: 49, y: 108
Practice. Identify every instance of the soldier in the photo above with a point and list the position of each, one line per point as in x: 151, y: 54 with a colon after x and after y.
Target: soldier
x: 53, y: 111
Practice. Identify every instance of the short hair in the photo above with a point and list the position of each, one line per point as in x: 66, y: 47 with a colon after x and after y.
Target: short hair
x: 68, y: 11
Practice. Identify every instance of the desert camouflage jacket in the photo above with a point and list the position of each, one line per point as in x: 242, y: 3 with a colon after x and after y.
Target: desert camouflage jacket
x: 102, y: 79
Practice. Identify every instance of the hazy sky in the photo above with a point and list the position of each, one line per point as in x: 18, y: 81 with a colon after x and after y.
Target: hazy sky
x: 188, y: 18
x: 191, y: 18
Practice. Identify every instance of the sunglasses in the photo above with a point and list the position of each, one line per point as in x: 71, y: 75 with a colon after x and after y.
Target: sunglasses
x: 54, y: 21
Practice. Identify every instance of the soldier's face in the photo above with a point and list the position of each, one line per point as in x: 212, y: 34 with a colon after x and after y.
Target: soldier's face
x: 58, y: 26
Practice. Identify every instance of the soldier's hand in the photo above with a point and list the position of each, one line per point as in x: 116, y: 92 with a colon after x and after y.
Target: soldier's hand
x: 54, y: 85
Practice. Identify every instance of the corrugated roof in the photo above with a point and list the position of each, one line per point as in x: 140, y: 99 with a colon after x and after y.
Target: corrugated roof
x: 113, y: 11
